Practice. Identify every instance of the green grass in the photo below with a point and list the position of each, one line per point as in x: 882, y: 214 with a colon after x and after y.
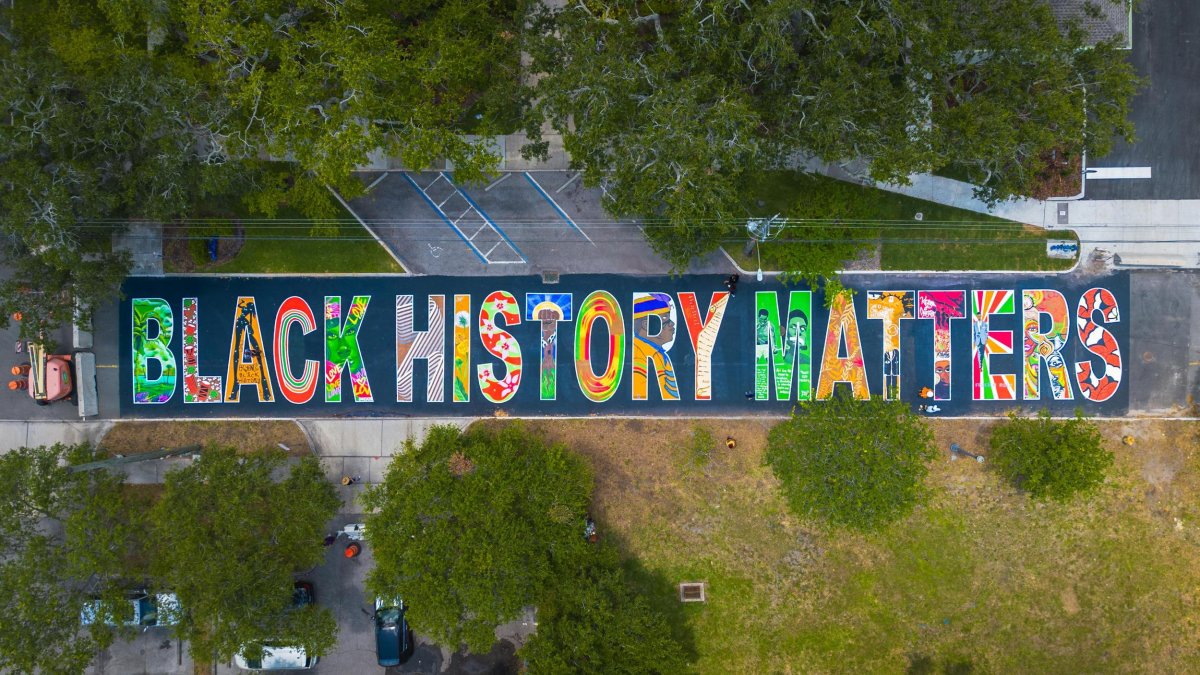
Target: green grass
x: 287, y: 244
x: 946, y: 238
x: 978, y: 579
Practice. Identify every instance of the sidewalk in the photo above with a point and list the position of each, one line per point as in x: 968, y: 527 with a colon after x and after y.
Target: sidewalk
x: 1141, y: 233
x: 359, y: 449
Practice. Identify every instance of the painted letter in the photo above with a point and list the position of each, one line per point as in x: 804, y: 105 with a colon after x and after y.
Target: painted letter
x: 1100, y: 386
x: 247, y: 361
x: 462, y: 348
x: 703, y: 335
x: 843, y: 323
x: 197, y: 388
x: 501, y: 344
x: 890, y: 307
x: 1046, y: 346
x: 429, y: 344
x: 783, y: 351
x: 941, y: 306
x: 148, y: 348
x: 985, y: 342
x: 599, y: 306
x: 653, y: 350
x: 297, y: 390
x: 548, y: 309
x: 342, y: 350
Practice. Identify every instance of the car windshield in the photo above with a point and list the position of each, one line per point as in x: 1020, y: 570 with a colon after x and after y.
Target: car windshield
x: 390, y: 615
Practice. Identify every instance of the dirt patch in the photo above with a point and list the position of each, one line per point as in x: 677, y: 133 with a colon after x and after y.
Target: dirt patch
x: 126, y: 438
x: 869, y: 258
x: 1060, y: 176
x: 177, y: 248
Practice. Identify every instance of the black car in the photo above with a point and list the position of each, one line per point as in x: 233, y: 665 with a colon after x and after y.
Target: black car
x: 393, y: 637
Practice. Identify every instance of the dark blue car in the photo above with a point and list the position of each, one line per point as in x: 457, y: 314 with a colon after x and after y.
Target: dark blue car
x: 393, y: 637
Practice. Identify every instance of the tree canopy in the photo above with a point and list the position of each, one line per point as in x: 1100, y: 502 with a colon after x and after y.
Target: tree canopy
x: 470, y: 528
x: 1049, y: 458
x: 328, y: 83
x: 674, y: 107
x: 64, y: 538
x: 593, y: 621
x: 95, y: 132
x: 859, y: 464
x: 228, y: 540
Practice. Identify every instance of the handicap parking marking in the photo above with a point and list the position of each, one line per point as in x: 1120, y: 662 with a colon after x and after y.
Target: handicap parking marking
x: 487, y: 233
x: 442, y: 215
x: 557, y: 209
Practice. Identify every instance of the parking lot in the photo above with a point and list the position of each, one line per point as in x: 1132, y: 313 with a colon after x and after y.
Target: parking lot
x: 523, y: 222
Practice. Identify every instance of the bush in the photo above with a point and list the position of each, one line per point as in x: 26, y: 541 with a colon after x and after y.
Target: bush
x: 1050, y: 458
x: 858, y: 464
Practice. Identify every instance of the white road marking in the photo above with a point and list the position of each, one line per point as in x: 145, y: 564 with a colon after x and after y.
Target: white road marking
x: 496, y: 182
x: 1115, y: 172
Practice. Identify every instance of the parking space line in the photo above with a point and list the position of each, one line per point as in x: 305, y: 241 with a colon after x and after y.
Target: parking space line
x: 562, y: 214
x: 442, y: 215
x: 377, y: 181
x: 498, y: 181
x: 450, y: 178
x: 570, y: 180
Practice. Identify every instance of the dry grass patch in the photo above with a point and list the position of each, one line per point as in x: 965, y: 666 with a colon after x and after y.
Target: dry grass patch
x: 129, y: 437
x: 979, y: 577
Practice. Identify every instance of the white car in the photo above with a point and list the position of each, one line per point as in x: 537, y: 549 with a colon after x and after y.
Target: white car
x: 277, y: 658
x: 161, y: 609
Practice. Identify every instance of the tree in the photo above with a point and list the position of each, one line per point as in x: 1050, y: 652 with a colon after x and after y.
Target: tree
x: 93, y: 133
x: 229, y: 539
x: 592, y: 621
x: 858, y: 464
x: 1048, y: 458
x: 327, y: 83
x: 469, y: 528
x: 64, y: 538
x: 1008, y: 86
x: 675, y: 107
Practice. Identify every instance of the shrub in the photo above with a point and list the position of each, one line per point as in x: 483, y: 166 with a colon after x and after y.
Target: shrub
x: 1050, y: 458
x: 858, y: 464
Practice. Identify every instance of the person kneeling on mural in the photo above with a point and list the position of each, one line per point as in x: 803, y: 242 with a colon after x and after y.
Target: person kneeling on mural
x: 731, y: 283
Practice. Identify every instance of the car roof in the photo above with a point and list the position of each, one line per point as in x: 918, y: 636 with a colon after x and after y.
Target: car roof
x: 276, y: 658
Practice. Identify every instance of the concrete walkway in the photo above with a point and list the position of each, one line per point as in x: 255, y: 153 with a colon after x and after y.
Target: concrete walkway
x: 359, y: 449
x: 1141, y: 233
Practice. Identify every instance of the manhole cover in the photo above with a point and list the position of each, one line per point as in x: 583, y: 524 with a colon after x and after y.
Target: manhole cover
x: 691, y: 592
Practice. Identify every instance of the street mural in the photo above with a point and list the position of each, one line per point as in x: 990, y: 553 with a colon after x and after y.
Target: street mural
x: 657, y: 345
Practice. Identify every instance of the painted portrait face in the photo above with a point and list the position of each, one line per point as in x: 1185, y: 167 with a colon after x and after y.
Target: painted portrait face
x: 797, y: 330
x: 942, y: 368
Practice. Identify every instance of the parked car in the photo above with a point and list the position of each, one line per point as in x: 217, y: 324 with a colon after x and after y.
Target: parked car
x: 277, y: 655
x: 393, y: 637
x: 145, y: 610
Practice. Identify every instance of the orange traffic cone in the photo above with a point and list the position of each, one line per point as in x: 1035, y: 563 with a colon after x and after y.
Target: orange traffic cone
x: 353, y: 549
x: 20, y: 370
x: 16, y: 316
x: 18, y: 384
